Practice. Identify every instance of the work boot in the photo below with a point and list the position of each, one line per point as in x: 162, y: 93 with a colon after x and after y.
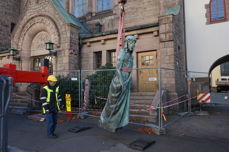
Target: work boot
x: 53, y: 136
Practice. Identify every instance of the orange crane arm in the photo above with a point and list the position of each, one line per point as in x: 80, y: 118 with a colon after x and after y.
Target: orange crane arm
x: 121, y: 29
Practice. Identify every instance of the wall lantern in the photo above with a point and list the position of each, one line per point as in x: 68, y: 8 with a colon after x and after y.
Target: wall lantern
x: 50, y: 47
x: 14, y: 53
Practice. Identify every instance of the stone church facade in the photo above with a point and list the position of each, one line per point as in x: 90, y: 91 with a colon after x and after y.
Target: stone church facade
x: 85, y: 35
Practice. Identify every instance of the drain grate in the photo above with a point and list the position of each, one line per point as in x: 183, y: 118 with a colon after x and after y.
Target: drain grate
x: 141, y: 144
x: 79, y: 129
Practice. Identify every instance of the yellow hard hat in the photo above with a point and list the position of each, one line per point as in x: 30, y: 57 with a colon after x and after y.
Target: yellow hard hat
x: 52, y: 78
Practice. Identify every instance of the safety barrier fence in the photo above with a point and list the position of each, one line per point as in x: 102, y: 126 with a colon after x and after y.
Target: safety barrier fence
x: 159, y: 96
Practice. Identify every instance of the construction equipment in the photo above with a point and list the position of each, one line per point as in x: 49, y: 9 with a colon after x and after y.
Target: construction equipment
x: 25, y: 76
x: 8, y: 76
x: 222, y: 84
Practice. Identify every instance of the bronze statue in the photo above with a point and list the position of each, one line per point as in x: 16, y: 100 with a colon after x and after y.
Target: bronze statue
x: 116, y: 111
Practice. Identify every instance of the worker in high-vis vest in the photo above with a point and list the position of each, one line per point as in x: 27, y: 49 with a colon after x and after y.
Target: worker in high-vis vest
x: 51, y: 102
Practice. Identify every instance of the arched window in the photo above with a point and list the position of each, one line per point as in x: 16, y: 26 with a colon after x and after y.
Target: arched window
x: 217, y: 10
x: 104, y: 5
x: 81, y: 7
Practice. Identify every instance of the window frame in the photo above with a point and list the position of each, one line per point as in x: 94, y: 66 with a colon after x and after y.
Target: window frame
x: 217, y: 20
x: 110, y: 58
x: 37, y: 62
x: 97, y: 6
x: 98, y: 63
x: 84, y: 13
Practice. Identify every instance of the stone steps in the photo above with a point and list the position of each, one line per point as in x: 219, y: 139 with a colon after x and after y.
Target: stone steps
x: 143, y: 112
x: 141, y: 97
x: 140, y: 101
x: 143, y: 118
x: 19, y: 105
x: 146, y: 102
x: 143, y: 93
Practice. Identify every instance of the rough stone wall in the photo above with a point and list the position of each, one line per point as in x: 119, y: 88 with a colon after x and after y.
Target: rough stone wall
x: 138, y: 12
x: 73, y: 50
x: 172, y: 53
x: 207, y: 14
x: 166, y: 52
x: 9, y: 13
x: 141, y: 12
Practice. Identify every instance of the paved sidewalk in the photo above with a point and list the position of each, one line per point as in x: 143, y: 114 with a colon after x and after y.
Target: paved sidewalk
x: 29, y: 136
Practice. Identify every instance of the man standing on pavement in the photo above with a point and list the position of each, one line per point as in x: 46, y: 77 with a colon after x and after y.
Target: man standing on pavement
x: 50, y: 99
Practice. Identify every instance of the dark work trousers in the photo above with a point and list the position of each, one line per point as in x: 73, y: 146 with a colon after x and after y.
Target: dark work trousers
x: 51, y: 121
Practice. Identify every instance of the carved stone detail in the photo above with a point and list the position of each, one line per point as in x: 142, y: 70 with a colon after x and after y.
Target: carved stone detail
x: 38, y: 44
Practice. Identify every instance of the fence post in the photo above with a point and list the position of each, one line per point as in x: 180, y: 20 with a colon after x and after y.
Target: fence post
x: 160, y: 104
x: 189, y: 93
x: 80, y: 90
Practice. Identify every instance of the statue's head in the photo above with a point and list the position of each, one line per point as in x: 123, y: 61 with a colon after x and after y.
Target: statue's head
x: 130, y: 42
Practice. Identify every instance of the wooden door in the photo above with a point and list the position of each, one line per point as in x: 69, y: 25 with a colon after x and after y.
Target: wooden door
x: 147, y: 78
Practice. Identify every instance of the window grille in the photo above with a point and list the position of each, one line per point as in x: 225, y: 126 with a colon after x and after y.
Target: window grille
x: 217, y: 10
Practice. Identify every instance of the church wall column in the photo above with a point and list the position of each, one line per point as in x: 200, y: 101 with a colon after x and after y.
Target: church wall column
x: 67, y: 5
x: 71, y: 6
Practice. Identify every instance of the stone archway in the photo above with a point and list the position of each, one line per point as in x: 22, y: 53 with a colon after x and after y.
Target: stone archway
x: 35, y: 32
x: 29, y: 37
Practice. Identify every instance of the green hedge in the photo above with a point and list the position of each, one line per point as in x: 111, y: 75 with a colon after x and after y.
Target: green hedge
x: 99, y: 85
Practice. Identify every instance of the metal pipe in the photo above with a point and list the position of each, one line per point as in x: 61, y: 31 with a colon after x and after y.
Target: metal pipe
x: 3, y: 125
x: 9, y: 93
x: 160, y: 110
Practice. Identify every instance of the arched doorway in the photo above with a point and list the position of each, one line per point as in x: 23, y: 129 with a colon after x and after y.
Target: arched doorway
x: 30, y: 39
x: 39, y: 53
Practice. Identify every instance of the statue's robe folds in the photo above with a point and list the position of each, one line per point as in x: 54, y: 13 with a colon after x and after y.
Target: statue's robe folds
x: 116, y: 111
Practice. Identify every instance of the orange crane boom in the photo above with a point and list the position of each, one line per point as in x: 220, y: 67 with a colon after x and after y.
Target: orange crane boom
x: 121, y: 29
